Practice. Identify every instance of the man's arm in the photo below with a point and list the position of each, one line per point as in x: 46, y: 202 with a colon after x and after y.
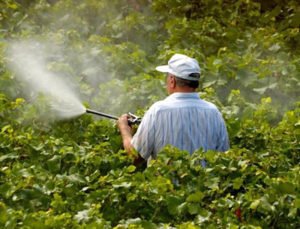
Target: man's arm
x: 125, y: 130
x: 223, y: 144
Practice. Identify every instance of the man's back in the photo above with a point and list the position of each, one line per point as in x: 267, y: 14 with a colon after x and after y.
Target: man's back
x: 182, y: 120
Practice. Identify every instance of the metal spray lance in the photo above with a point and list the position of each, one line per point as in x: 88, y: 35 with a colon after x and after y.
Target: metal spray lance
x: 132, y: 121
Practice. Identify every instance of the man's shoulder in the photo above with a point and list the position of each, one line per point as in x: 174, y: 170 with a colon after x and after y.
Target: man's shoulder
x: 157, y: 105
x: 208, y: 104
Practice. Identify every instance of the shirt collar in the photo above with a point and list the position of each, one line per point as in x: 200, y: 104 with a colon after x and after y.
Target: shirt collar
x: 180, y: 95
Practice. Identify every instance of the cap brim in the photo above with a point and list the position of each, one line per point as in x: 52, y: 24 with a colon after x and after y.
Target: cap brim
x: 163, y: 68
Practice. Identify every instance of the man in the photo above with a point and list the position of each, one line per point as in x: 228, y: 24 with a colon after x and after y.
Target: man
x: 182, y: 119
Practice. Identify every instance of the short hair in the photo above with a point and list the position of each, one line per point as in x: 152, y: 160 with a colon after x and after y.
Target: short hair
x: 189, y: 83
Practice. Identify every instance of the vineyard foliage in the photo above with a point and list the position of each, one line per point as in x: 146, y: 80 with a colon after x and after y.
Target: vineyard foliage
x: 74, y: 174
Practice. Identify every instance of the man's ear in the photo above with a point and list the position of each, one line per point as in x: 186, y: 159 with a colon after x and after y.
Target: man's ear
x: 173, y: 81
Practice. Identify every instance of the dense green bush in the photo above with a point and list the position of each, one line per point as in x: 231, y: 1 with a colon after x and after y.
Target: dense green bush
x: 75, y: 175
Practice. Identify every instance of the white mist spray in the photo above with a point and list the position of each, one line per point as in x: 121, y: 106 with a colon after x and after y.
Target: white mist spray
x: 29, y: 66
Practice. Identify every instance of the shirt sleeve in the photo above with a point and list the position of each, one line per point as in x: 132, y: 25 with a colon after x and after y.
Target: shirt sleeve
x: 144, y: 139
x: 223, y: 140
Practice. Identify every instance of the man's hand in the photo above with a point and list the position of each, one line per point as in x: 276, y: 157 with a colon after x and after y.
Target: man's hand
x: 123, y: 123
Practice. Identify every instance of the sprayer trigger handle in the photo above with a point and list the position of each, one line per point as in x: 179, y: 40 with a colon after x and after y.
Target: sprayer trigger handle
x: 134, y: 119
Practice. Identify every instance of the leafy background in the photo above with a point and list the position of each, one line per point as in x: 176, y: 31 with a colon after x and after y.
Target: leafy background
x: 74, y: 173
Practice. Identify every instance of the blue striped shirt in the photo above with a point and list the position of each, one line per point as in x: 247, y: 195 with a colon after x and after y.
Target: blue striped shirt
x: 182, y: 120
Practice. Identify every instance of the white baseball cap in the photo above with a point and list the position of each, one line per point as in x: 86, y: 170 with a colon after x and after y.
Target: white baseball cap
x: 181, y: 66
